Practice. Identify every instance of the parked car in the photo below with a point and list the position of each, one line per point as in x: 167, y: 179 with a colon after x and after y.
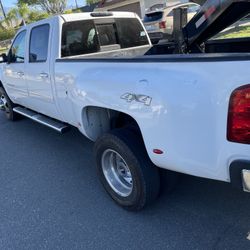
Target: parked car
x: 159, y: 22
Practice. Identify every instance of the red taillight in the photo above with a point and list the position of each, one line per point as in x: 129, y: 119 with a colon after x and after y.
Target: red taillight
x: 238, y: 127
x: 162, y: 25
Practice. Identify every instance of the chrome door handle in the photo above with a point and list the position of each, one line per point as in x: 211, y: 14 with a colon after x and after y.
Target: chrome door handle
x: 20, y: 73
x: 44, y: 75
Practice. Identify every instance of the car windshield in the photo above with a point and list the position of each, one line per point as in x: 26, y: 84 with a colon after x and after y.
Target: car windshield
x: 154, y: 16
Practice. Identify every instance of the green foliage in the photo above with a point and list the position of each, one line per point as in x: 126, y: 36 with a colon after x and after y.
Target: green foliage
x: 68, y: 12
x: 76, y: 11
x: 50, y: 6
x: 7, y: 34
x: 23, y: 10
x: 36, y: 16
x: 236, y: 32
x: 89, y: 2
x: 3, y: 50
x: 29, y: 2
x: 14, y: 17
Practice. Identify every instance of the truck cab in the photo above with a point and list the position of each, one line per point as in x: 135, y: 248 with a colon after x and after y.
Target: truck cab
x: 28, y: 73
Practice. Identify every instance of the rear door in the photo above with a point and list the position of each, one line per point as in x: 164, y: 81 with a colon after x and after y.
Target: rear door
x: 39, y: 72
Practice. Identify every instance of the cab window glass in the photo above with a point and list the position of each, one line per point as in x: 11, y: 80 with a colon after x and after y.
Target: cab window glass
x: 17, y: 50
x: 79, y: 38
x: 91, y: 37
x: 39, y: 43
x: 130, y: 33
x: 107, y: 34
x: 84, y: 37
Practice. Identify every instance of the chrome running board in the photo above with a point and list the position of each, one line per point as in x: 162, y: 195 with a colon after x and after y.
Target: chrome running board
x: 42, y: 119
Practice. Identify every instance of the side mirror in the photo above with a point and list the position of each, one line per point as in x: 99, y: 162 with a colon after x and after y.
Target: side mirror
x: 4, y: 57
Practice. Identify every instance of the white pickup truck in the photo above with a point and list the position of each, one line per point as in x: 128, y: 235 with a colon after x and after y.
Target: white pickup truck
x: 185, y: 112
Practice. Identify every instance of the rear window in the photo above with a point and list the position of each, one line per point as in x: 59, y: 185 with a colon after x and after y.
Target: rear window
x: 79, y: 38
x: 152, y: 17
x: 107, y: 34
x: 130, y: 33
x: 89, y: 36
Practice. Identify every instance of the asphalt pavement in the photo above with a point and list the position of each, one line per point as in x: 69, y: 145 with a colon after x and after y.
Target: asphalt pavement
x: 50, y: 198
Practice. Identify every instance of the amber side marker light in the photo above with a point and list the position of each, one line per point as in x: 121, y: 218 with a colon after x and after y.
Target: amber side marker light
x: 238, y: 124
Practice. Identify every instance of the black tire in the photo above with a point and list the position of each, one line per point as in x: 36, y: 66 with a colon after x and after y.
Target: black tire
x: 145, y: 176
x: 10, y: 114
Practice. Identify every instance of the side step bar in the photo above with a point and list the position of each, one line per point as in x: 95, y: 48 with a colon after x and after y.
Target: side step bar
x: 42, y: 119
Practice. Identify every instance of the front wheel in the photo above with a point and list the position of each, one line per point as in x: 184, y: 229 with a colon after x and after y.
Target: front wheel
x: 7, y: 105
x: 125, y: 169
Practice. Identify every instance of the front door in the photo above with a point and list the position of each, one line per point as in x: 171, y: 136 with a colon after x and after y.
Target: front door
x: 14, y: 70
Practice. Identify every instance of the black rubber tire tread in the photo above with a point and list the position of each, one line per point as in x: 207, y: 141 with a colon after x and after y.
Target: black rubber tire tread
x: 146, y: 178
x: 12, y: 116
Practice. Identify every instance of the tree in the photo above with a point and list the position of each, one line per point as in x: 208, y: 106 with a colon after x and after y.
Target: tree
x: 50, y: 6
x: 12, y: 17
x: 6, y: 33
x: 36, y: 16
x: 24, y: 11
x: 10, y: 24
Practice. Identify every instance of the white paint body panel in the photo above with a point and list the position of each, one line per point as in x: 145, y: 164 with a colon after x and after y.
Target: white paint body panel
x: 41, y: 95
x: 15, y: 83
x: 187, y: 118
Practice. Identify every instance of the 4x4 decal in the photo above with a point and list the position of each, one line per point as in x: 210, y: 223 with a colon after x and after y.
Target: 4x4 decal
x: 145, y: 99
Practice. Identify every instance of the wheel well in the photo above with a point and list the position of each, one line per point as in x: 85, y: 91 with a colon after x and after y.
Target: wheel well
x: 97, y: 121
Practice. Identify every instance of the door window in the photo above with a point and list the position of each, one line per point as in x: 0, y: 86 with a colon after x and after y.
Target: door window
x: 39, y: 43
x: 17, y: 50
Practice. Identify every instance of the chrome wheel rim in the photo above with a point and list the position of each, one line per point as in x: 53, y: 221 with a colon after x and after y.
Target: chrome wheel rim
x: 4, y: 104
x: 117, y: 172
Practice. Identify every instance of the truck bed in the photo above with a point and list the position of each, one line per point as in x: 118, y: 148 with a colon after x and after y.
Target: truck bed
x: 187, y: 117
